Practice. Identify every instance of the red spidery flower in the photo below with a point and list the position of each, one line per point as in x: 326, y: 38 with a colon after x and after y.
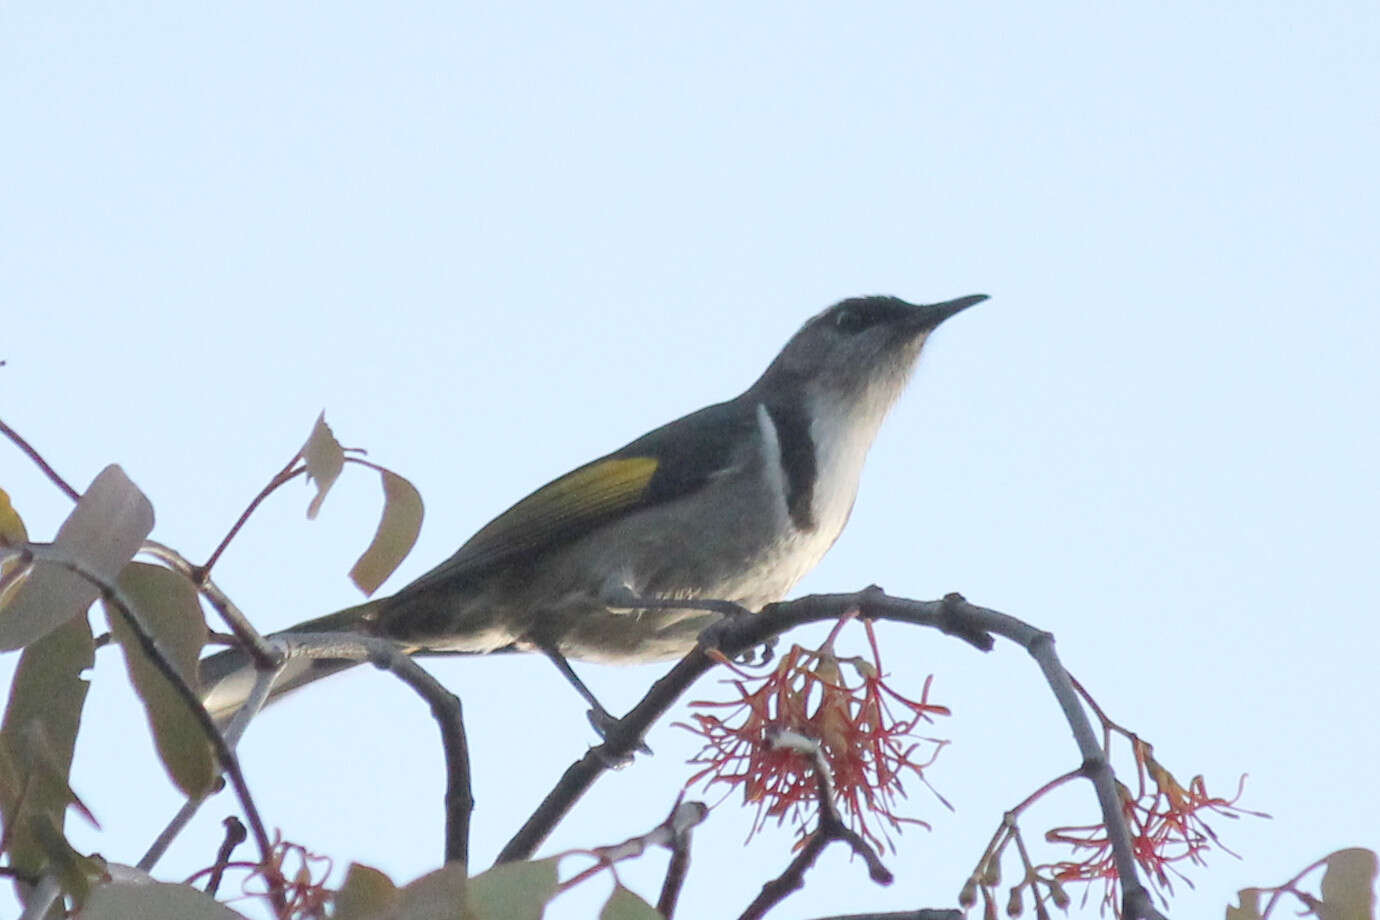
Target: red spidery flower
x: 1167, y: 826
x: 865, y: 730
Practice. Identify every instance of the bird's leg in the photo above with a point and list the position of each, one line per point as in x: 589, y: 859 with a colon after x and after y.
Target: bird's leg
x: 618, y: 596
x: 599, y: 717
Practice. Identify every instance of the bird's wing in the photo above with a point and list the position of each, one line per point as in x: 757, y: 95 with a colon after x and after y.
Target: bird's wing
x: 665, y: 464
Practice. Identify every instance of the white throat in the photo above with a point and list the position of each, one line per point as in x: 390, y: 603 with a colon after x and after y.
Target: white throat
x: 842, y: 436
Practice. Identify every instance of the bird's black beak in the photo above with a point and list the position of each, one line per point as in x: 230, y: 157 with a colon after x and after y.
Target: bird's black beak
x: 928, y: 316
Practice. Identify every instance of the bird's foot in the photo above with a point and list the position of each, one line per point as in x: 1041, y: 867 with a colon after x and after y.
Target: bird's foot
x: 712, y: 637
x: 604, y: 724
x: 761, y: 655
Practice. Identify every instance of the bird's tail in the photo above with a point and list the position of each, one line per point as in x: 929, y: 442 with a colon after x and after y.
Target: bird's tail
x: 228, y: 677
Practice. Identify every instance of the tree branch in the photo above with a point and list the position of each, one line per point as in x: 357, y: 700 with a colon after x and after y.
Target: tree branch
x: 287, y: 474
x: 39, y: 462
x: 831, y: 828
x: 731, y: 636
x: 678, y: 867
x: 47, y: 892
x: 225, y: 755
x: 952, y: 615
x: 924, y: 913
x: 253, y: 642
x: 112, y: 595
x: 673, y: 833
x: 258, y: 695
x: 445, y: 709
x: 234, y: 836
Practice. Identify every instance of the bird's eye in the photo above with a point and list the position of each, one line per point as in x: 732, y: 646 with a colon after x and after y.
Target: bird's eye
x: 849, y: 320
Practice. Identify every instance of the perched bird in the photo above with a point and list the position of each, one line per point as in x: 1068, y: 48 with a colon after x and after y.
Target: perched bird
x: 619, y: 561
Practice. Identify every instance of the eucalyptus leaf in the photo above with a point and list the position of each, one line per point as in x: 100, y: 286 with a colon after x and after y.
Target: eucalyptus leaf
x: 367, y: 894
x: 439, y: 895
x: 102, y: 533
x: 38, y: 735
x: 152, y: 901
x: 513, y: 891
x: 167, y: 606
x: 395, y: 537
x: 1348, y: 885
x: 625, y: 905
x: 325, y: 458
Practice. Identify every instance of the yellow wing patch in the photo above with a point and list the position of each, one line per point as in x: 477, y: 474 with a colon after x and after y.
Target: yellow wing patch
x: 591, y: 492
x: 11, y: 525
x: 12, y: 533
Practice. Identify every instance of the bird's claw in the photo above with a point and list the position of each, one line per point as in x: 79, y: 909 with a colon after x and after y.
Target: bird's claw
x: 761, y: 654
x: 603, y: 723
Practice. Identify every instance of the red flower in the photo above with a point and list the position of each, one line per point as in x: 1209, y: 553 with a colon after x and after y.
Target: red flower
x: 1167, y: 827
x: 863, y: 727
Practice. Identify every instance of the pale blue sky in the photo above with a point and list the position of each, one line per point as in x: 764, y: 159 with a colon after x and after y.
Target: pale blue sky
x: 495, y: 242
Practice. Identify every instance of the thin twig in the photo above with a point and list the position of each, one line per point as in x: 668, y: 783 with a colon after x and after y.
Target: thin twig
x: 952, y: 615
x: 287, y: 474
x: 42, y: 898
x: 831, y: 828
x: 38, y: 460
x: 249, y: 638
x: 1277, y: 892
x: 1135, y: 897
x: 676, y: 870
x: 732, y: 637
x: 445, y: 709
x: 234, y: 836
x: 678, y: 867
x: 789, y: 880
x: 253, y: 704
x: 258, y: 695
x: 284, y: 476
x: 169, y: 833
x: 924, y: 913
x: 673, y: 833
x: 229, y: 763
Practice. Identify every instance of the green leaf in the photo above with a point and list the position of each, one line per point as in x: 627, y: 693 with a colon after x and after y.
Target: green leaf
x: 166, y: 604
x: 398, y: 529
x: 1348, y: 886
x: 439, y: 895
x: 624, y: 905
x: 367, y: 894
x: 102, y: 533
x: 152, y: 901
x: 39, y: 759
x: 37, y: 736
x: 325, y: 458
x: 74, y: 871
x: 513, y: 891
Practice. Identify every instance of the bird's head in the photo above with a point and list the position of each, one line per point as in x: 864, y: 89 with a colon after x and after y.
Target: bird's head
x: 858, y: 353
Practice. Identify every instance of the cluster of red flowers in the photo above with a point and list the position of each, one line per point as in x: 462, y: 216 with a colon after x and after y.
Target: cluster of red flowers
x: 294, y: 873
x: 863, y: 728
x: 823, y: 724
x: 1167, y: 826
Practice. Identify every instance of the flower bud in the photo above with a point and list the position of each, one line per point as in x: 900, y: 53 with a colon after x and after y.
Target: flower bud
x: 1057, y: 894
x: 967, y: 896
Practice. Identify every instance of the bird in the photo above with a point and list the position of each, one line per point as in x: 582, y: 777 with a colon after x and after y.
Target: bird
x: 630, y: 557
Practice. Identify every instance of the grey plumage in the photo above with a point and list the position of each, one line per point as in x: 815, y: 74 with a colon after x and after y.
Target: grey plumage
x: 734, y: 502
